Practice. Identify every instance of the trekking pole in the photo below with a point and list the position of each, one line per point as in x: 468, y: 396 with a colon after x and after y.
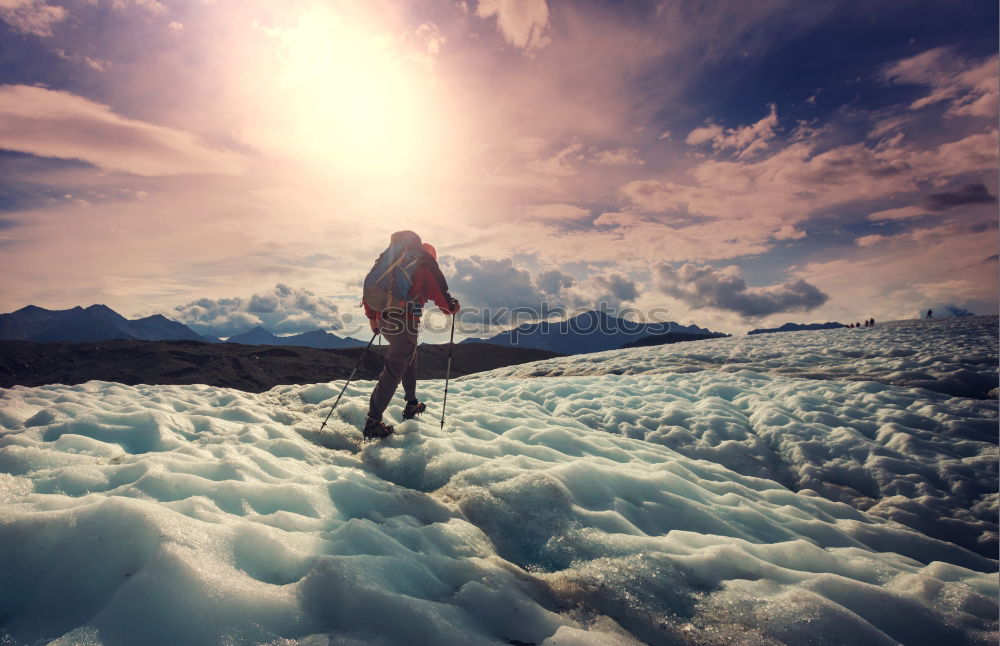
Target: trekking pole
x: 362, y: 356
x: 447, y: 374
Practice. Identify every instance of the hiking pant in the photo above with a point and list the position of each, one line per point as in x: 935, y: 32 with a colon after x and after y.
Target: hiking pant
x: 400, y: 365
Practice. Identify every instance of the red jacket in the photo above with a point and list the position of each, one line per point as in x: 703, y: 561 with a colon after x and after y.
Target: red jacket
x: 428, y: 284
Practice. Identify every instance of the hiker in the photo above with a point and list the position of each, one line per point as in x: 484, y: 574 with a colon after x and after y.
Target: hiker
x: 930, y: 314
x: 404, y: 277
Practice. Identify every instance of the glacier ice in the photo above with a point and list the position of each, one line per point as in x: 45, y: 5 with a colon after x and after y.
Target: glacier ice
x: 955, y: 356
x: 723, y: 492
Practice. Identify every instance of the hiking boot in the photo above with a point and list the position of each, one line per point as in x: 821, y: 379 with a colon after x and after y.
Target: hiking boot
x: 375, y: 429
x: 413, y: 408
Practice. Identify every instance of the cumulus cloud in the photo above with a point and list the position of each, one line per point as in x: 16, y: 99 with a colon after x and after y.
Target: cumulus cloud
x: 283, y: 310
x: 493, y: 283
x: 554, y: 281
x: 505, y: 293
x: 968, y: 87
x: 523, y: 23
x: 31, y: 16
x: 745, y: 140
x: 725, y: 289
x: 49, y: 123
x: 617, y: 289
x: 972, y: 193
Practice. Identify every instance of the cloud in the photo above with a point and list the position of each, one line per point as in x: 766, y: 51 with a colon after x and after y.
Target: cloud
x: 618, y: 289
x: 788, y: 232
x: 872, y: 240
x: 95, y: 64
x: 554, y: 281
x: 523, y: 23
x: 618, y: 157
x: 31, y: 16
x: 152, y: 5
x: 554, y: 212
x: 506, y: 293
x: 703, y: 134
x: 724, y: 289
x: 559, y: 164
x: 968, y: 87
x: 746, y: 140
x: 900, y: 213
x: 37, y: 17
x: 49, y: 123
x: 889, y: 276
x: 973, y: 193
x: 284, y: 310
x: 493, y: 283
x: 759, y: 198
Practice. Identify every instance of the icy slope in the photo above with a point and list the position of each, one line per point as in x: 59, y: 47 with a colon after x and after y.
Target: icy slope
x: 956, y: 356
x: 549, y: 511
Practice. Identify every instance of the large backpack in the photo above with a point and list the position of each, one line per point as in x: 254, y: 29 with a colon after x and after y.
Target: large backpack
x: 387, y: 285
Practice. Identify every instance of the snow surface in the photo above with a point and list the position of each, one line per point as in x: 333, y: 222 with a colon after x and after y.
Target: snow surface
x: 956, y: 356
x: 711, y: 505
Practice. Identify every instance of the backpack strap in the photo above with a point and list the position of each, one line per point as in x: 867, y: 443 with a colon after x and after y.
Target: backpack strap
x: 391, y: 268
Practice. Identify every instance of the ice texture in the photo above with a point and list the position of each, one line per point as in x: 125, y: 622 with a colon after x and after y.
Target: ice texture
x: 697, y: 506
x: 955, y: 356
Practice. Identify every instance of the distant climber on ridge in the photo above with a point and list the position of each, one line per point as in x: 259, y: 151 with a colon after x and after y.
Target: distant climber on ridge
x: 404, y: 277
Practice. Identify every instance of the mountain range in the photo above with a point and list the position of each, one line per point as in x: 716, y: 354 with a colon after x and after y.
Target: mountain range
x: 591, y: 331
x: 94, y: 323
x: 312, y: 339
x: 101, y: 323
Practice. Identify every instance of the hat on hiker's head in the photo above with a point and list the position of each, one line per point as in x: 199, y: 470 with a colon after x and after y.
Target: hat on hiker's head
x: 431, y: 251
x: 406, y: 239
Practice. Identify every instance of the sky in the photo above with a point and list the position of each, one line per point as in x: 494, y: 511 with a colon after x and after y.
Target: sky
x: 730, y: 164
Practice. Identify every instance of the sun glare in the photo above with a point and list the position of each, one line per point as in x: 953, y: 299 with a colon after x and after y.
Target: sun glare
x: 352, y: 97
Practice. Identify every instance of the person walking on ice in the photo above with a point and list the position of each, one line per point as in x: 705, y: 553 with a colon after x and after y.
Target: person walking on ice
x: 405, y: 276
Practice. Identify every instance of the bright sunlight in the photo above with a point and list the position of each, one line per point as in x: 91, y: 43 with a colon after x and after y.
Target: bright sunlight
x: 352, y: 97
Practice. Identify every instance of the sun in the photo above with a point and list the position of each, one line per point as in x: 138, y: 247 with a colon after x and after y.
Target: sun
x: 351, y: 96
